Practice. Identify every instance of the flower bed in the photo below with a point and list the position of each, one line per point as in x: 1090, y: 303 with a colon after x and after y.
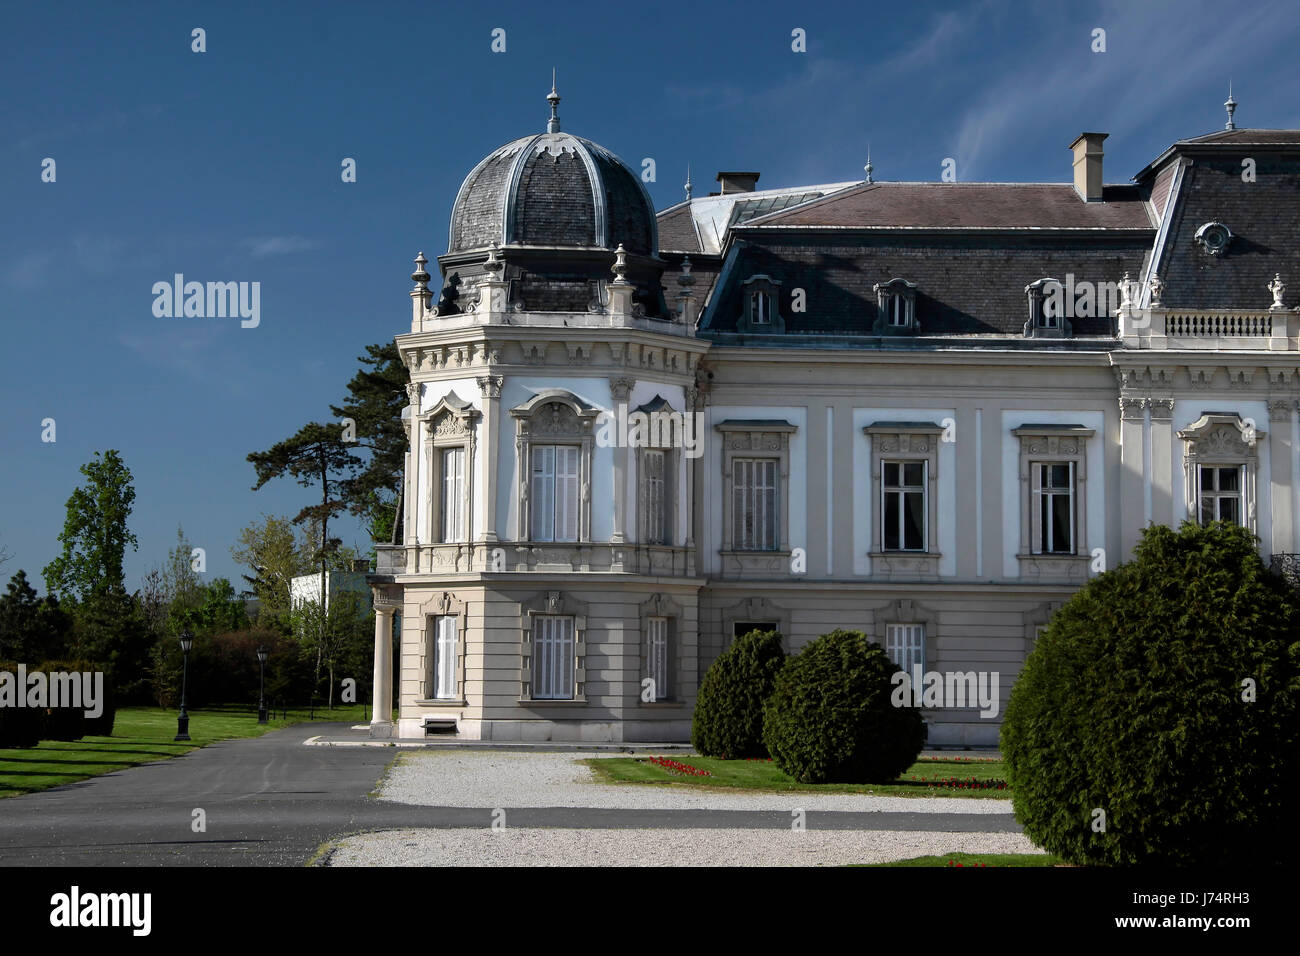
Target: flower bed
x: 957, y: 783
x: 676, y: 766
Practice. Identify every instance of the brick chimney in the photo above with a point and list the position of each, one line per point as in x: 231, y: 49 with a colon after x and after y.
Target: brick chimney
x: 1087, y: 165
x: 737, y: 182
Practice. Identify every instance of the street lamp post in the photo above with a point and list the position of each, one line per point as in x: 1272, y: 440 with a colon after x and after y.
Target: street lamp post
x: 183, y: 719
x: 261, y: 693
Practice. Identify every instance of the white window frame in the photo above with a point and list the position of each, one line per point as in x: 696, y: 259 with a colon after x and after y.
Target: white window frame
x: 905, y: 645
x: 1223, y: 440
x: 755, y: 500
x: 444, y: 669
x: 659, y: 664
x: 538, y: 674
x: 449, y: 424
x: 454, y: 526
x: 1216, y: 495
x: 553, y: 417
x: 1053, y: 444
x: 895, y: 307
x: 655, y: 502
x: 1042, y: 497
x: 902, y: 491
x: 554, y: 495
x: 554, y: 657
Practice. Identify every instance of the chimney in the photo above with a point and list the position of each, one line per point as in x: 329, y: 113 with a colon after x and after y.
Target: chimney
x: 1087, y: 165
x: 737, y: 182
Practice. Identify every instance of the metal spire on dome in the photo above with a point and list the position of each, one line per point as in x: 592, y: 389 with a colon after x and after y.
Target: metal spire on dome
x: 868, y: 168
x: 688, y: 182
x: 553, y: 126
x: 1231, y: 106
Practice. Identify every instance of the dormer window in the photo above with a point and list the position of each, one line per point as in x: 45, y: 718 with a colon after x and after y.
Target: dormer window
x: 762, y: 309
x: 895, y: 308
x: 1047, y: 312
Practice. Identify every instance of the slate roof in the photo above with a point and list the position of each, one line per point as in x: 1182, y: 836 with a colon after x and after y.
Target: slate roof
x: 966, y: 206
x: 553, y: 189
x: 700, y: 225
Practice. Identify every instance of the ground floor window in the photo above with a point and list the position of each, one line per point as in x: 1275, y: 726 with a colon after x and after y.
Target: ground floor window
x: 905, y: 644
x: 443, y: 663
x: 658, y: 668
x: 552, y: 658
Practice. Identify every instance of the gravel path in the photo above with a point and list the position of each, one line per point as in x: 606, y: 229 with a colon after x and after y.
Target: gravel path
x: 515, y: 846
x: 513, y: 779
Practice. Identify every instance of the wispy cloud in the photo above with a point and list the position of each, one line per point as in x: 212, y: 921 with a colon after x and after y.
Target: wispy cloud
x: 263, y: 246
x: 28, y: 271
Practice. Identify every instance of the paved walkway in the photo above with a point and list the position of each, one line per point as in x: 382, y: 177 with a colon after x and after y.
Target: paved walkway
x: 270, y: 801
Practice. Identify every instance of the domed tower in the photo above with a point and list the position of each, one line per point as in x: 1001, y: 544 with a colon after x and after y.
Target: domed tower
x: 556, y: 414
x: 557, y: 206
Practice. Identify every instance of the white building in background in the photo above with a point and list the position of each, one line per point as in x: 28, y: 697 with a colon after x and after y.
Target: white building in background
x: 306, y: 588
x: 927, y: 411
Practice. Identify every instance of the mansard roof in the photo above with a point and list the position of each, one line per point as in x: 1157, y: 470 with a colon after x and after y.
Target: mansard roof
x: 890, y: 205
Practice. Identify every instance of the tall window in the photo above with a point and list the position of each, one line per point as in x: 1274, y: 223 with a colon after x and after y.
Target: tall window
x: 905, y: 644
x: 754, y: 504
x: 554, y: 493
x: 552, y: 657
x: 1221, y: 499
x: 657, y: 661
x: 903, y: 511
x: 1053, y: 490
x: 443, y: 665
x: 453, y: 494
x: 655, y: 498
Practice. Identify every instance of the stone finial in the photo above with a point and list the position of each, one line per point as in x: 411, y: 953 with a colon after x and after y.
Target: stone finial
x: 1278, y: 288
x: 620, y: 265
x: 494, y: 266
x: 1231, y: 106
x: 421, y: 275
x: 686, y: 280
x: 1126, y: 292
x: 688, y: 182
x: 868, y: 168
x: 1157, y: 287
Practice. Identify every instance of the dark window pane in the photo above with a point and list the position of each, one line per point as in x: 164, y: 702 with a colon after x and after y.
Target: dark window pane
x: 891, y: 473
x: 1229, y: 511
x: 1060, y: 476
x: 891, y: 521
x: 912, y: 473
x: 1228, y: 479
x: 1207, y: 479
x: 1044, y: 523
x: 914, y: 522
x: 1207, y: 510
x: 1061, y: 524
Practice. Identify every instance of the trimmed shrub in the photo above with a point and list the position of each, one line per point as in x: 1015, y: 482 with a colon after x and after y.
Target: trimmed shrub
x: 19, y: 726
x: 1134, y: 703
x: 728, y: 719
x: 830, y: 718
x: 68, y: 723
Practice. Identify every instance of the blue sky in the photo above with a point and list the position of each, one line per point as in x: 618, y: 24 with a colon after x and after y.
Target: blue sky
x: 225, y: 166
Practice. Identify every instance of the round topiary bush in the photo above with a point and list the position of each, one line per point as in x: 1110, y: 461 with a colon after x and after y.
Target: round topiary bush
x: 831, y: 720
x: 728, y: 720
x: 1136, y: 704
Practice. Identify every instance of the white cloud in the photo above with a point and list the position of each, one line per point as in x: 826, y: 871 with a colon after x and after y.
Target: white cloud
x: 279, y: 245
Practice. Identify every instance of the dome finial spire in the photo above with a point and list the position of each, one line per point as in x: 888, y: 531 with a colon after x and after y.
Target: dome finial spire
x: 868, y: 168
x: 1231, y: 106
x: 553, y: 126
x: 688, y: 181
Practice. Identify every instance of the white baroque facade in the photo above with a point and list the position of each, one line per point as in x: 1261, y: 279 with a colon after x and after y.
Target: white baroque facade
x: 925, y: 411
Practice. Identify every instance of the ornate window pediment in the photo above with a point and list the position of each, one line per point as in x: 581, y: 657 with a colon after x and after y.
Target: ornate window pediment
x: 449, y: 428
x: 1220, y: 468
x: 554, y: 440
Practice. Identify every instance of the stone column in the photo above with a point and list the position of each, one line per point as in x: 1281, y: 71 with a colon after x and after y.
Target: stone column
x: 490, y: 388
x: 1162, y: 462
x: 620, y: 389
x: 1132, y: 477
x: 381, y: 724
x: 1280, y: 538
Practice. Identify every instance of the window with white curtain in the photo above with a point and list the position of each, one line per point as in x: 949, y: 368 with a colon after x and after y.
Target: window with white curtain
x: 754, y: 504
x: 657, y: 661
x: 554, y: 492
x: 905, y: 644
x: 655, y: 499
x: 453, y: 494
x: 552, y: 657
x: 444, y: 664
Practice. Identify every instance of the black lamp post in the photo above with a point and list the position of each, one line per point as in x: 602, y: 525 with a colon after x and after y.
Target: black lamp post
x: 261, y: 692
x: 183, y: 720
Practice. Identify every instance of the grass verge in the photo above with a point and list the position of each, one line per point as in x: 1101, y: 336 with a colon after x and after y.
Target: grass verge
x: 762, y: 775
x: 140, y: 735
x: 978, y: 859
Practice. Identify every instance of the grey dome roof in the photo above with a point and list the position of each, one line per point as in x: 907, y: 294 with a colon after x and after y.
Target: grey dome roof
x: 553, y: 189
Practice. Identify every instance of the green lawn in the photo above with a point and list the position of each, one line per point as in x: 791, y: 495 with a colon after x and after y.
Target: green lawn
x: 764, y: 775
x: 140, y: 735
x: 975, y: 859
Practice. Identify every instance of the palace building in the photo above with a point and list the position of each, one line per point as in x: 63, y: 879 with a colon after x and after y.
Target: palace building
x: 927, y: 411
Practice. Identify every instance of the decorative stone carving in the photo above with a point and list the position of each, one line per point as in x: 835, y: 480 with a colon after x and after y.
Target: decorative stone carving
x: 1278, y: 288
